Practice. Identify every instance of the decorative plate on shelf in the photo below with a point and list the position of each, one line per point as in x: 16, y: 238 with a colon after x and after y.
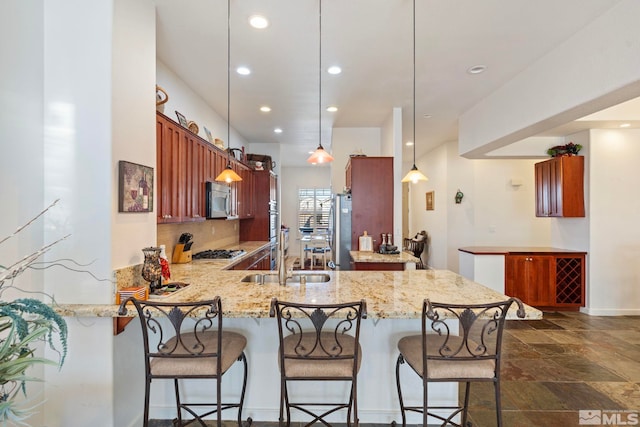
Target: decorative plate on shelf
x: 193, y: 127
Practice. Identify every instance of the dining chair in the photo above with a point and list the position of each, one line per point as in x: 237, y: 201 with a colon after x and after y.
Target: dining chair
x: 459, y: 343
x: 319, y: 248
x: 186, y: 341
x: 319, y: 343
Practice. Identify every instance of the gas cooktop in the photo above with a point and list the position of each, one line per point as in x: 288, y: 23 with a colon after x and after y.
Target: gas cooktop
x: 219, y: 254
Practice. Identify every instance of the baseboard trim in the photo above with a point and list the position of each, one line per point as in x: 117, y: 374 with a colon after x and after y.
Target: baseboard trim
x: 611, y: 311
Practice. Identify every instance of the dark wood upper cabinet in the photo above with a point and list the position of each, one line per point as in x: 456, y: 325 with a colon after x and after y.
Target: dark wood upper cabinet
x: 560, y: 187
x: 371, y: 182
x: 184, y: 163
x: 257, y: 227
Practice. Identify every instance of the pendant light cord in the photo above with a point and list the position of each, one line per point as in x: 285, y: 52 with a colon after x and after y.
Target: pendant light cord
x: 320, y: 75
x: 229, y: 83
x: 414, y: 83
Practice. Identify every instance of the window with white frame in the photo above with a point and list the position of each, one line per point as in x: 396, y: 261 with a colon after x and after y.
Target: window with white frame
x: 314, y: 205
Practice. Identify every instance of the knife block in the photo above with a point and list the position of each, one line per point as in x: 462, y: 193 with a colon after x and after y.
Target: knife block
x: 180, y: 256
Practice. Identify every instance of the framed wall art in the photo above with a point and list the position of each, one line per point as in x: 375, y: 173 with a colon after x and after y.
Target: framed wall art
x: 182, y: 119
x: 135, y: 186
x: 208, y: 133
x: 430, y: 200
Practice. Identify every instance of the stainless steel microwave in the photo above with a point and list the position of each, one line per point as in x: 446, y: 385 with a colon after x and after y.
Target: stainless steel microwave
x: 218, y: 196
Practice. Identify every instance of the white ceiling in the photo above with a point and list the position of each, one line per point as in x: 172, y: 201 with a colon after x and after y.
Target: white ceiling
x: 372, y: 41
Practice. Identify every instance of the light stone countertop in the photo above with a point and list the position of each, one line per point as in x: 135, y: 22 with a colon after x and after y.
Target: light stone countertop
x: 389, y: 294
x: 403, y: 257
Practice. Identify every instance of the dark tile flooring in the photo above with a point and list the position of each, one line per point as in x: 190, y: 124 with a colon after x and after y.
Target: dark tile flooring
x: 555, y: 367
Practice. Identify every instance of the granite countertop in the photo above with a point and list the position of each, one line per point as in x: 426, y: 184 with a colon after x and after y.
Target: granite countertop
x: 389, y: 294
x: 403, y: 257
x: 504, y: 250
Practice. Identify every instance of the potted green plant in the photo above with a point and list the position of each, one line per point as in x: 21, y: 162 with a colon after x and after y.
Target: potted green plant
x: 24, y: 324
x: 569, y: 149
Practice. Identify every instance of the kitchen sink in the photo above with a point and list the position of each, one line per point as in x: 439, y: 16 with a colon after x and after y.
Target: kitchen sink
x: 296, y: 278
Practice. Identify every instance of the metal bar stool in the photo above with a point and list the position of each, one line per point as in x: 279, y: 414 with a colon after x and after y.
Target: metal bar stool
x: 470, y: 353
x: 314, y: 346
x: 186, y: 341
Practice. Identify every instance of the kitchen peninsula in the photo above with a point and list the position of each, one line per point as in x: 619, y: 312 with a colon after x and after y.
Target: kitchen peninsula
x: 394, y: 303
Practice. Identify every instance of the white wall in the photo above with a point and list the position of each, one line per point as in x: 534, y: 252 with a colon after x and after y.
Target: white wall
x: 597, y: 67
x: 614, y: 208
x: 133, y: 121
x: 134, y: 139
x: 492, y: 212
x: 434, y: 166
x: 392, y: 146
x: 78, y: 168
x: 185, y: 100
x: 21, y: 127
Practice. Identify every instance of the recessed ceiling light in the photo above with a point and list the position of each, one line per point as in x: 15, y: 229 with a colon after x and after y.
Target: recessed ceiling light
x: 277, y: 130
x: 311, y: 152
x: 477, y: 69
x: 332, y: 109
x: 258, y: 21
x: 427, y: 116
x: 409, y: 143
x: 625, y: 125
x: 244, y: 71
x: 265, y: 108
x: 334, y: 70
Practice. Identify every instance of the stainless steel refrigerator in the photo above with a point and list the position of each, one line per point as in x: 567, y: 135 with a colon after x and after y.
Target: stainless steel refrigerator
x: 340, y: 231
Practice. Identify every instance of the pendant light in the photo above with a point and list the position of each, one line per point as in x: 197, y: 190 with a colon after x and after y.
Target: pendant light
x: 414, y: 174
x: 228, y: 175
x: 320, y: 155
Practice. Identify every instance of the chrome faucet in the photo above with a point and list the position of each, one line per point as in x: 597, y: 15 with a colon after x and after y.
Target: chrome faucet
x: 282, y: 266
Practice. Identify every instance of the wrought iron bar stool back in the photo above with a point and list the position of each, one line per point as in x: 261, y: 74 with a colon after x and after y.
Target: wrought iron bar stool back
x: 186, y: 341
x: 458, y: 343
x: 319, y: 343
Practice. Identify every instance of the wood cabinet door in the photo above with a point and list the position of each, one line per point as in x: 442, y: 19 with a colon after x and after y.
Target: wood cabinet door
x: 170, y: 139
x: 516, y: 278
x: 560, y: 187
x: 541, y: 280
x: 199, y: 165
x: 246, y: 192
x: 542, y: 189
x: 531, y: 278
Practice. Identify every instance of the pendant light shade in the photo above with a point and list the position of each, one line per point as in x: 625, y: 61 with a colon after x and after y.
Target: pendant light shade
x: 414, y: 174
x: 228, y: 175
x: 320, y: 155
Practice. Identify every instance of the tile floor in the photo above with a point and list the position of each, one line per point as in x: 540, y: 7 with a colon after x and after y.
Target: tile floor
x: 555, y: 367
